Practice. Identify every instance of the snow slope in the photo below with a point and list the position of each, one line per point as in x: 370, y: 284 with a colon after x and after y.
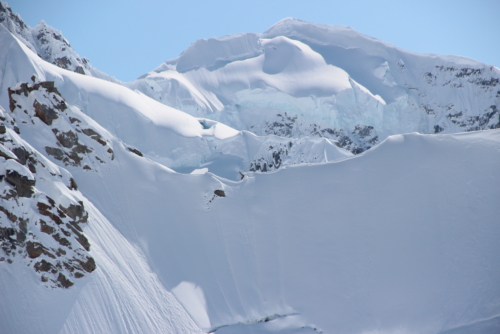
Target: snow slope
x: 75, y: 282
x: 305, y: 79
x: 402, y: 238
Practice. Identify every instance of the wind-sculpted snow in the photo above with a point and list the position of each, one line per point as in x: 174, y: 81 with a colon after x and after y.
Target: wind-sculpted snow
x: 330, y: 81
x: 160, y: 133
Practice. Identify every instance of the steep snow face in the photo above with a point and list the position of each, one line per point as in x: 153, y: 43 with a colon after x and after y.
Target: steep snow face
x: 331, y: 81
x: 48, y: 43
x: 400, y: 238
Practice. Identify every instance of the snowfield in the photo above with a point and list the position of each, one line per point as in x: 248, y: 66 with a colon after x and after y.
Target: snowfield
x: 121, y: 214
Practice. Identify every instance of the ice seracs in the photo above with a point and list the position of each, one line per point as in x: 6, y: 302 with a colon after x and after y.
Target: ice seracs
x: 331, y: 81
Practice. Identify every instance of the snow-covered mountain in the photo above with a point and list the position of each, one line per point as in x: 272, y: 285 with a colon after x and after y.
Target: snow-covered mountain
x: 303, y: 79
x: 120, y: 214
x: 48, y: 43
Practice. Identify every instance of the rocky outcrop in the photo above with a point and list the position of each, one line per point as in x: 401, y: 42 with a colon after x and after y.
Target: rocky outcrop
x: 35, y: 229
x: 42, y: 100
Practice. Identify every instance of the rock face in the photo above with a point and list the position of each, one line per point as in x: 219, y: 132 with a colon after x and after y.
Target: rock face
x: 35, y: 229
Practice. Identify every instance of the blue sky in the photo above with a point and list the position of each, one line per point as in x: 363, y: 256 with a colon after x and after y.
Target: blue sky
x: 126, y: 38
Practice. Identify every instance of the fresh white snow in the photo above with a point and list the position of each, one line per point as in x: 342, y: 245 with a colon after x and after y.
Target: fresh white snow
x: 243, y: 231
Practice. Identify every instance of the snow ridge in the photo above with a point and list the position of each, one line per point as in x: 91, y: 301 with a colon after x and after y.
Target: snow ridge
x: 48, y: 43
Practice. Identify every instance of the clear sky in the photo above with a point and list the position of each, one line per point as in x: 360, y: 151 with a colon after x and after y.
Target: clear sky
x: 127, y: 38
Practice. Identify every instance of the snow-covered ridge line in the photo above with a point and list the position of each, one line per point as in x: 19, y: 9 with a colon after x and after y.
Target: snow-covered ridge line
x: 49, y: 44
x: 301, y: 79
x: 163, y: 134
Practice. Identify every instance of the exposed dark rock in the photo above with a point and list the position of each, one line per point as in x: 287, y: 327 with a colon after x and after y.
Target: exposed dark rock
x: 12, y: 217
x: 57, y: 153
x: 220, y: 193
x: 43, y: 266
x: 363, y: 131
x: 94, y: 135
x: 63, y: 62
x: 72, y: 184
x: 5, y: 155
x: 65, y: 283
x: 80, y: 70
x: 76, y: 212
x: 82, y: 240
x: 34, y: 249
x: 62, y: 241
x: 7, y: 233
x: 46, y: 228
x: 31, y: 165
x: 110, y: 151
x: 78, y: 274
x: 438, y: 129
x: 134, y: 150
x: 44, y: 209
x: 66, y: 233
x: 89, y: 266
x: 21, y: 154
x: 66, y: 139
x: 60, y: 252
x: 23, y: 185
x: 45, y: 113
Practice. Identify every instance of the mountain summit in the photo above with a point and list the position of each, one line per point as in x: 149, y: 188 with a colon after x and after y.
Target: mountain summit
x: 302, y: 79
